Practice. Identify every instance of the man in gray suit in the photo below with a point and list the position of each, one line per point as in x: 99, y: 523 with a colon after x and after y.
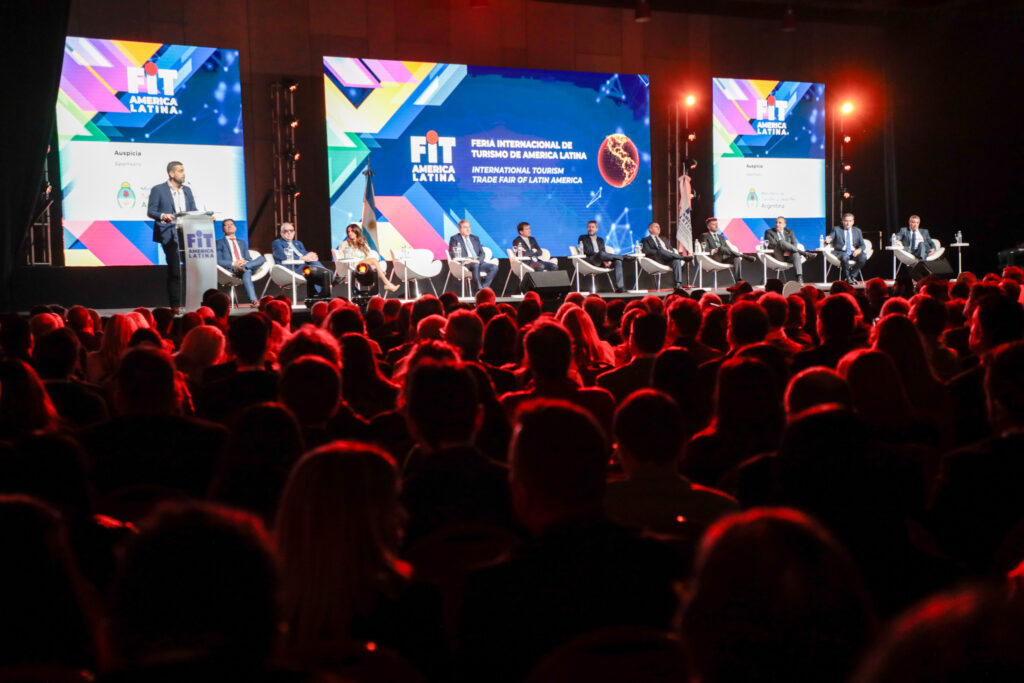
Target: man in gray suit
x: 782, y: 241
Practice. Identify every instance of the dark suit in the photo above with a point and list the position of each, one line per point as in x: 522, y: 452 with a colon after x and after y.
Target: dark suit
x: 225, y: 259
x: 781, y: 243
x: 160, y: 202
x: 656, y: 250
x: 598, y: 256
x: 716, y: 240
x: 319, y: 278
x: 483, y: 272
x: 531, y: 253
x: 924, y: 242
x: 856, y: 242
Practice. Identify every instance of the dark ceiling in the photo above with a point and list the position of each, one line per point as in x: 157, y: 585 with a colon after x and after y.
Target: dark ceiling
x: 872, y: 12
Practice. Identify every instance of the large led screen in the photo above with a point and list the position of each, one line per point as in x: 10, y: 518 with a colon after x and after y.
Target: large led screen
x: 126, y: 109
x: 448, y: 142
x: 769, y: 158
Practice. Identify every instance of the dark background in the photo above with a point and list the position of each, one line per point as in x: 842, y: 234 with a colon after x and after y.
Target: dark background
x: 936, y: 84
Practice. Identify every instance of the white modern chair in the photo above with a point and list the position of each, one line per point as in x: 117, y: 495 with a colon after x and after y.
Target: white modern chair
x: 521, y: 268
x: 228, y: 277
x: 905, y: 258
x: 582, y: 267
x: 420, y: 265
x: 652, y: 267
x: 769, y: 262
x: 285, y: 278
x: 710, y: 265
x: 462, y: 274
x: 832, y: 259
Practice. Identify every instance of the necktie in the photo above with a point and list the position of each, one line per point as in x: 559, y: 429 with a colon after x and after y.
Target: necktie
x: 913, y: 240
x: 469, y: 247
x: 234, y: 248
x: 846, y: 238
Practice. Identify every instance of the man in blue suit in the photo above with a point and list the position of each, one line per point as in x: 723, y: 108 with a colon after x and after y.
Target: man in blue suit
x: 166, y: 200
x: 916, y: 240
x: 470, y: 248
x: 848, y: 243
x: 287, y: 248
x: 233, y: 254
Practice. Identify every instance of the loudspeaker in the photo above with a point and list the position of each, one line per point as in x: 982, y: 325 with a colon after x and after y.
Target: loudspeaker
x: 939, y: 267
x: 550, y: 284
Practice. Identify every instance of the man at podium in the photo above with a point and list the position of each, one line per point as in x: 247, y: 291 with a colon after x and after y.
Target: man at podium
x: 166, y: 200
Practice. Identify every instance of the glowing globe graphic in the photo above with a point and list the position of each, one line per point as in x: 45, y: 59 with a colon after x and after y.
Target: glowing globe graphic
x: 618, y: 160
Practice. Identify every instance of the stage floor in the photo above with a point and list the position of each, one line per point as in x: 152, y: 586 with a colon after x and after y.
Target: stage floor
x: 630, y: 295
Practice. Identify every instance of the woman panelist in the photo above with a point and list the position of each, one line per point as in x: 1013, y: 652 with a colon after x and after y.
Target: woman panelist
x: 355, y: 241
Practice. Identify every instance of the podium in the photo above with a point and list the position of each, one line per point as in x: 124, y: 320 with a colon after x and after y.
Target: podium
x: 197, y: 244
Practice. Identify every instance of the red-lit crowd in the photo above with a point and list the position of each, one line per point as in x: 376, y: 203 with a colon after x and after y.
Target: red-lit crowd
x: 821, y: 486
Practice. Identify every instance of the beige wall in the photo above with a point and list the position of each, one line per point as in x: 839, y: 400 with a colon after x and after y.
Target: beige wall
x: 287, y: 38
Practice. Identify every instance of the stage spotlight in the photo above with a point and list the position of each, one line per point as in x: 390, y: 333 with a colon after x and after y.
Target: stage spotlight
x: 846, y: 108
x: 364, y: 280
x: 691, y: 135
x: 847, y: 167
x: 290, y: 84
x: 292, y: 190
x: 846, y: 139
x: 293, y: 154
x: 291, y: 121
x: 643, y: 11
x: 306, y: 270
x: 690, y: 99
x: 846, y: 193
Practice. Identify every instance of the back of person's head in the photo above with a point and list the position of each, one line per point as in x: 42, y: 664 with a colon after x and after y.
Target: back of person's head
x: 358, y: 364
x: 997, y: 320
x: 797, y: 311
x: 465, y: 330
x: 203, y: 345
x: 199, y: 583
x: 876, y: 289
x: 485, y: 295
x: 747, y: 392
x: 310, y: 341
x: 597, y: 309
x: 968, y: 634
x: 145, y: 337
x: 220, y: 303
x: 529, y: 310
x: 319, y: 312
x: 713, y: 328
x: 310, y: 387
x: 163, y: 319
x: 499, y: 342
x: 814, y: 387
x: 79, y: 319
x: 55, y: 354
x: 653, y: 304
x: 876, y: 388
x: 431, y: 327
x: 248, y: 338
x: 776, y: 308
x: 41, y: 323
x: 774, y: 285
x: 279, y: 312
x: 838, y: 316
x: 897, y: 336
x: 338, y: 528
x: 116, y: 334
x: 391, y: 309
x: 929, y: 315
x: 549, y: 351
x: 426, y: 305
x: 648, y: 335
x: 449, y: 300
x: 649, y: 428
x: 557, y: 459
x: 686, y: 317
x: 46, y: 614
x: 897, y: 305
x: 1004, y: 387
x: 344, y: 320
x: 575, y: 298
x: 487, y: 311
x: 145, y: 383
x: 441, y: 404
x: 748, y: 324
x: 775, y: 597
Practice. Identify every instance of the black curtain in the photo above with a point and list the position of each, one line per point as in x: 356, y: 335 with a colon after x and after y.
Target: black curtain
x: 32, y: 43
